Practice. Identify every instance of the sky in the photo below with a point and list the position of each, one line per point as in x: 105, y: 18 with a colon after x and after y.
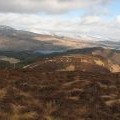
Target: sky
x: 91, y: 17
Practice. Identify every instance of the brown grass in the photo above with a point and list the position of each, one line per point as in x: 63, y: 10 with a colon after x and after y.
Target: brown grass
x: 61, y: 95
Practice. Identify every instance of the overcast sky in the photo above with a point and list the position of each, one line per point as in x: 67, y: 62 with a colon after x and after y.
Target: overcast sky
x: 96, y: 17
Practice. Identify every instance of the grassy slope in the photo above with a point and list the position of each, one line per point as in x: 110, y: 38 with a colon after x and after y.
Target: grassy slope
x: 33, y: 95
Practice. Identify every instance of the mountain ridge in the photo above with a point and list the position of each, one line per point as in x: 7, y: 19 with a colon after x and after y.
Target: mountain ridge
x: 12, y: 39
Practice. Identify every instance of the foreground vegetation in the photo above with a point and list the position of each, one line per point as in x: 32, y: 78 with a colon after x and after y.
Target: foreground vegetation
x: 61, y: 95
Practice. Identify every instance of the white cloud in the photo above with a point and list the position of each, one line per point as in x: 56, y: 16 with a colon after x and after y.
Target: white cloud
x: 91, y: 19
x: 118, y: 19
x: 24, y: 14
x: 94, y: 25
x: 47, y: 6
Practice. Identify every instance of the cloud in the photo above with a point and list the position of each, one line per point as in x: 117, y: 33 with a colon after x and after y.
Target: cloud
x: 118, y: 19
x: 26, y: 15
x: 90, y: 20
x: 48, y: 6
x: 94, y: 25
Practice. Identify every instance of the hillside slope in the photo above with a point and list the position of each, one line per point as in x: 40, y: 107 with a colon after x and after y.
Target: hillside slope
x: 62, y: 95
x: 12, y: 40
x: 74, y: 62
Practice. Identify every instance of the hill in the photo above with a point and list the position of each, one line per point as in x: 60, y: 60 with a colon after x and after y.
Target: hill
x: 19, y: 40
x: 63, y: 95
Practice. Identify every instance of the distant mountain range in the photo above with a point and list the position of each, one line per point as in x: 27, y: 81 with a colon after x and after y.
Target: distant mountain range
x: 19, y: 40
